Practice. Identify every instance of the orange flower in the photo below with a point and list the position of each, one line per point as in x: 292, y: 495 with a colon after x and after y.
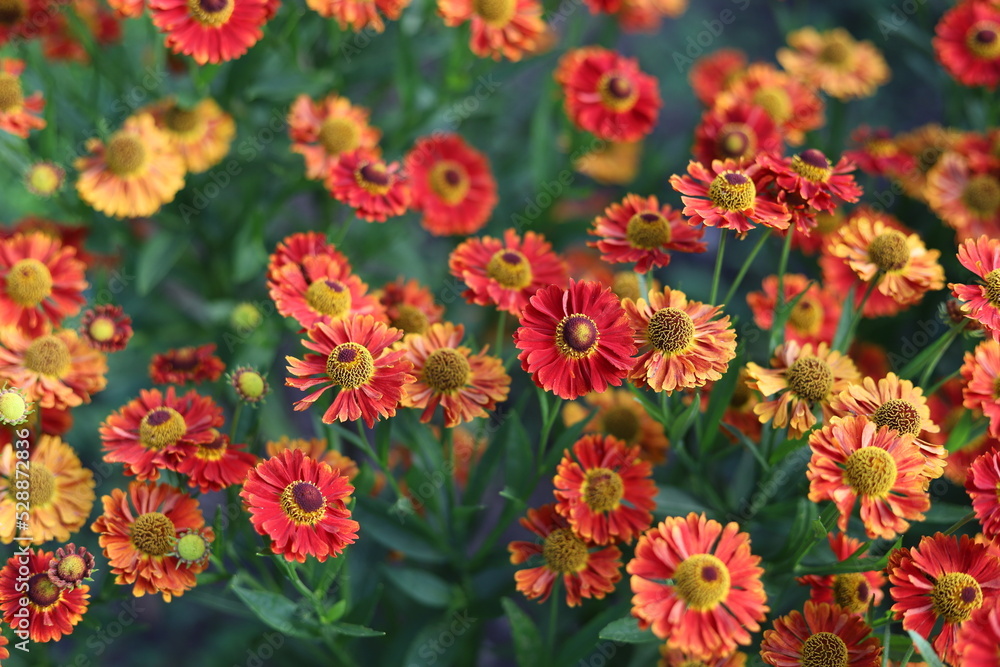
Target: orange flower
x: 106, y: 328
x: 792, y: 105
x: 834, y: 62
x: 965, y: 197
x: 322, y: 130
x: 409, y: 306
x: 43, y: 610
x: 315, y: 448
x: 186, y: 364
x: 981, y: 375
x: 296, y: 248
x: 674, y: 658
x: 621, y: 416
x: 710, y: 75
x: 201, y: 135
x: 135, y: 173
x: 216, y: 464
x: 56, y: 370
x: 803, y: 376
x: 824, y: 634
x: 359, y: 15
x: 321, y: 290
x: 814, y: 317
x: 981, y: 302
x: 856, y: 592
x: 465, y: 385
x: 19, y: 115
x: 500, y: 28
x: 375, y: 189
x: 611, y: 162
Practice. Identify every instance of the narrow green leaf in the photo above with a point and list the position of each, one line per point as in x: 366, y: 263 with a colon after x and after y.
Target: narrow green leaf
x: 385, y: 527
x: 275, y: 610
x: 527, y: 639
x: 626, y: 630
x: 926, y: 650
x: 420, y: 585
x: 157, y: 258
x: 354, y: 630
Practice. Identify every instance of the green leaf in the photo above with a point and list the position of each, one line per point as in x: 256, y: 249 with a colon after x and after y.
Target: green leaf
x: 250, y: 254
x: 354, y: 630
x: 157, y: 258
x: 273, y: 609
x: 626, y: 631
x: 926, y: 651
x: 420, y: 585
x: 527, y: 639
x: 408, y: 536
x: 671, y: 501
x: 718, y: 400
x: 681, y: 425
x: 945, y: 513
x: 582, y: 643
x: 520, y: 462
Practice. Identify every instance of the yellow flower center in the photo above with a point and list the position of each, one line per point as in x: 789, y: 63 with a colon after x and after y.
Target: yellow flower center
x: 670, y: 330
x: 329, y: 297
x: 812, y: 165
x: 102, y: 329
x: 871, y: 472
x: 617, y: 92
x: 577, y: 336
x: 889, y: 251
x: 125, y: 154
x: 192, y: 547
x: 350, y: 365
x: 72, y: 568
x: 648, y: 230
x: 213, y: 450
x: 13, y: 408
x: 42, y: 591
x: 955, y: 596
x: 982, y: 195
x: 496, y: 13
x: 44, y: 179
x: 882, y: 147
x: 339, y: 135
x: 602, y: 489
x: 374, y: 178
x: 29, y: 282
x: 251, y: 384
x: 161, y: 427
x: 153, y: 533
x: 446, y: 370
x: 991, y: 283
x: 181, y: 121
x: 835, y: 52
x: 898, y: 414
x: 211, y: 13
x: 304, y: 503
x: 775, y: 101
x: 410, y: 319
x: 806, y: 316
x: 41, y: 484
x: 510, y: 269
x: 625, y: 285
x: 852, y: 592
x: 450, y: 181
x: 565, y: 552
x: 11, y: 93
x: 983, y: 39
x: 12, y: 11
x: 736, y: 141
x: 824, y: 649
x: 48, y: 355
x: 702, y: 581
x: 622, y: 423
x: 810, y: 378
x: 732, y: 191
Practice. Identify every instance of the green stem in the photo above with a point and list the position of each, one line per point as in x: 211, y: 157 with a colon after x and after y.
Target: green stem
x: 718, y: 267
x: 640, y: 279
x: 235, y: 424
x: 501, y: 325
x: 382, y: 462
x: 961, y: 522
x: 951, y: 336
x: 550, y: 640
x: 859, y: 314
x: 549, y: 414
x: 743, y: 270
x: 778, y: 332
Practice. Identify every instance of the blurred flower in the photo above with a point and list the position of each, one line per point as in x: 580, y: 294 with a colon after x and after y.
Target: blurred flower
x: 51, y: 611
x: 834, y: 62
x: 245, y: 317
x: 138, y: 532
x: 41, y: 282
x: 813, y: 318
x: 878, y: 153
x: 465, y: 385
x: 715, y: 72
x: 811, y: 240
x: 468, y: 450
x: 70, y: 236
x: 128, y: 9
x: 611, y: 163
x: 356, y: 355
x: 575, y: 341
x: 201, y: 135
x: 500, y: 28
x: 296, y: 248
x: 982, y: 486
x: 216, y: 464
x: 697, y: 585
x: 71, y: 565
x: 156, y: 431
x: 793, y: 106
x: 106, y: 328
x: 323, y: 130
x: 823, y: 634
x: 565, y: 555
x: 923, y: 147
x: 607, y: 94
x: 132, y: 175
x: 620, y: 415
x: 14, y: 407
x: 981, y: 374
x: 981, y: 301
x: 409, y: 306
x: 856, y: 592
x: 967, y: 43
x: 186, y: 364
x: 452, y: 183
x: 978, y: 639
x: 321, y: 290
x: 210, y: 31
x: 359, y: 15
x: 44, y: 179
x: 681, y: 343
x: 737, y: 131
x: 374, y: 189
x: 300, y: 504
x: 56, y: 370
x: 19, y: 115
x: 21, y: 19
x: 966, y: 199
x: 674, y: 658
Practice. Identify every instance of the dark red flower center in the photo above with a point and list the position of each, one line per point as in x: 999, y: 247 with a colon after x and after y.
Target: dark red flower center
x: 375, y: 173
x: 308, y: 497
x: 814, y: 157
x: 211, y: 13
x: 450, y: 181
x: 303, y: 503
x: 812, y: 165
x: 619, y: 87
x: 618, y: 93
x: 12, y: 11
x: 577, y: 335
x: 510, y: 269
x: 42, y: 591
x: 647, y: 230
x: 158, y: 416
x: 955, y: 596
x: 851, y: 591
x: 350, y: 365
x: 702, y: 581
x: 982, y: 40
x: 347, y: 355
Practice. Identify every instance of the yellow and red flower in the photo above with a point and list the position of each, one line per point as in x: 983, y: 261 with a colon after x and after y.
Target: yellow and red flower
x: 566, y: 556
x: 55, y: 370
x: 156, y: 431
x: 834, y: 62
x: 803, y: 376
x: 981, y: 375
x: 323, y: 130
x: 21, y: 18
x: 605, y: 490
x: 210, y: 31
x: 465, y: 385
x: 712, y: 74
x: 855, y: 592
x: 967, y: 43
x: 500, y: 28
x: 41, y: 282
x: 981, y: 302
x: 315, y: 448
x: 978, y: 641
x: 19, y: 115
x: 70, y: 566
x: 355, y: 354
x: 139, y: 532
x: 793, y: 106
x: 964, y: 197
x: 51, y: 611
x: 620, y: 415
x: 376, y: 190
x: 823, y: 634
x: 674, y: 658
x: 216, y: 464
x: 409, y: 306
x: 359, y: 15
x: 506, y: 273
x: 128, y: 9
x: 452, y: 183
x: 640, y: 230
x: 983, y: 487
x: 729, y: 196
x: 321, y: 290
x: 878, y: 153
x: 300, y: 504
x: 296, y: 248
x: 575, y: 341
x: 59, y: 492
x: 132, y: 175
x: 201, y: 135
x: 944, y: 577
x: 106, y: 328
x: 607, y: 94
x: 186, y: 364
x: 681, y: 343
x: 697, y: 585
x: 737, y: 131
x: 813, y: 318
x: 811, y: 180
x: 853, y: 459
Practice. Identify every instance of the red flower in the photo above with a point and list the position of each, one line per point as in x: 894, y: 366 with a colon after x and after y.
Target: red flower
x: 814, y: 317
x: 322, y: 130
x: 981, y: 301
x: 300, y: 504
x: 968, y: 43
x: 605, y: 490
x: 452, y: 185
x: 854, y: 591
x: 107, y: 328
x: 409, y: 306
x: 355, y: 355
x: 41, y: 282
x: 321, y: 289
x: 640, y: 230
x: 506, y: 273
x: 981, y: 374
x: 295, y: 248
x: 186, y: 364
x: 811, y: 178
x: 729, y: 197
x: 375, y: 190
x: 878, y: 153
x: 210, y: 31
x: 607, y: 95
x: 825, y: 634
x: 793, y: 106
x: 51, y: 611
x: 575, y: 341
x: 714, y: 73
x: 500, y: 28
x: 983, y: 487
x: 739, y: 131
x: 359, y: 15
x: 978, y: 641
x: 216, y: 464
